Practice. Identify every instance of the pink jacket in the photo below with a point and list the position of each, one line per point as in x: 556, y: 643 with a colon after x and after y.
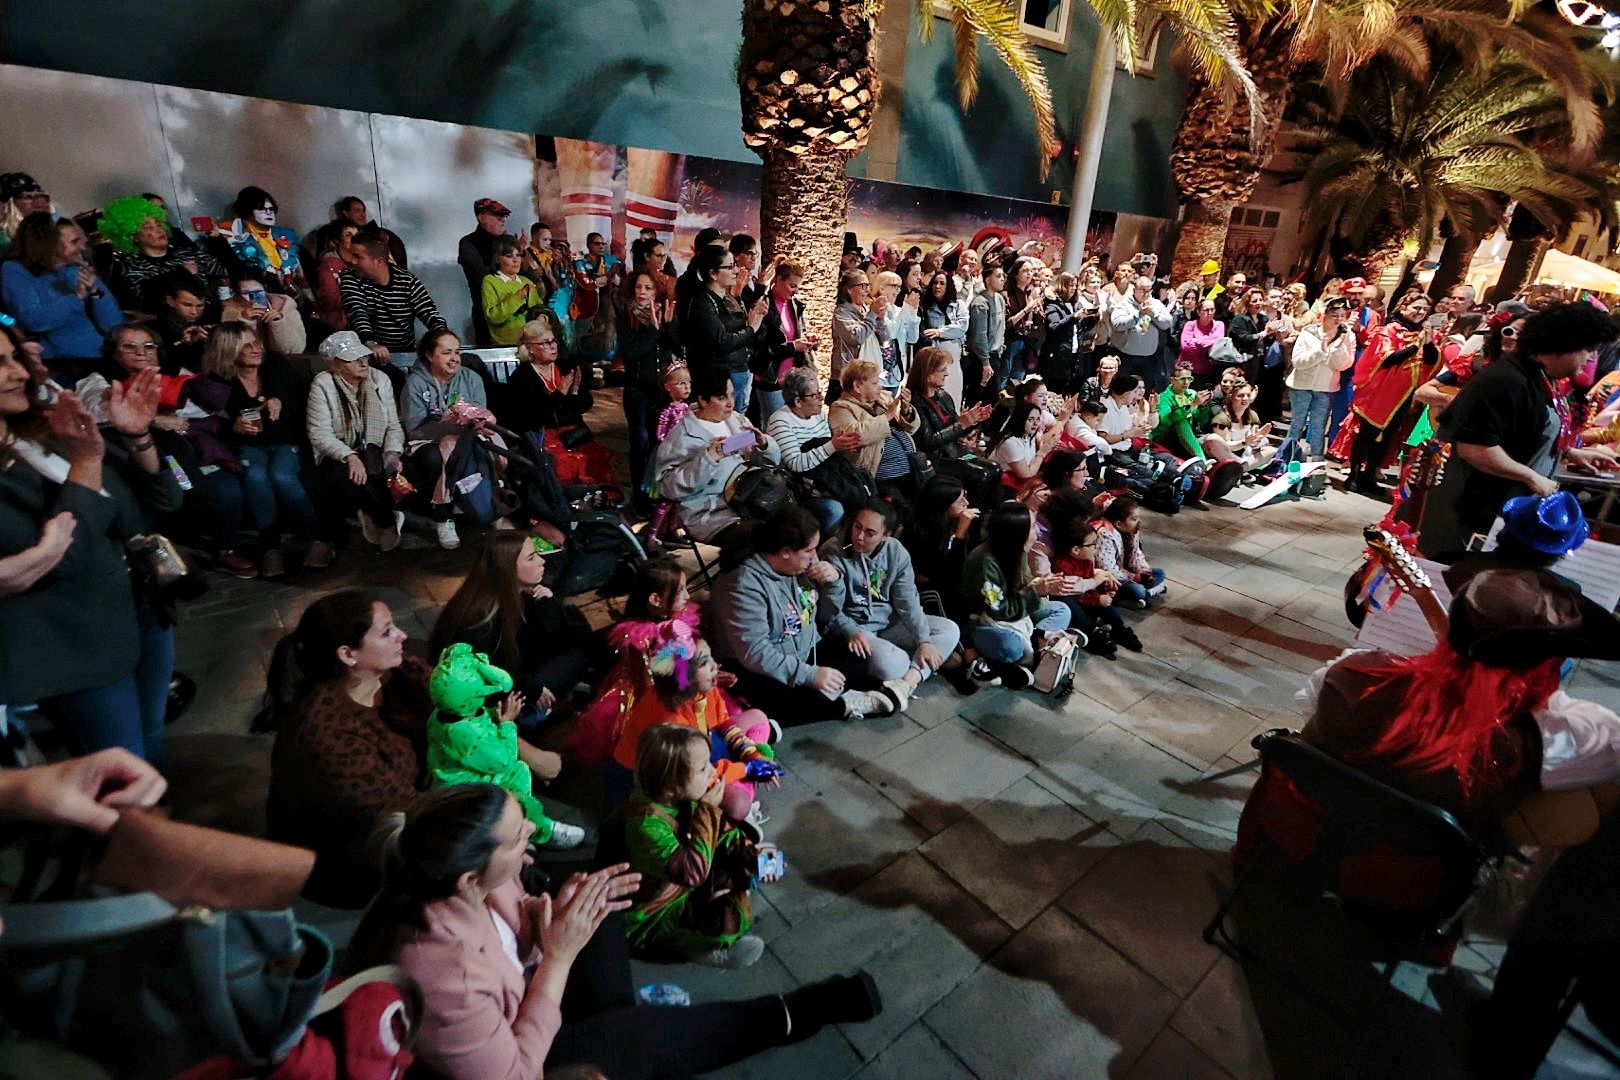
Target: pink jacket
x: 479, y: 1022
x: 1195, y: 345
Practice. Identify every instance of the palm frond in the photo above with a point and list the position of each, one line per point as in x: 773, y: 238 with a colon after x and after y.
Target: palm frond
x: 999, y: 26
x: 1208, y: 36
x: 965, y: 41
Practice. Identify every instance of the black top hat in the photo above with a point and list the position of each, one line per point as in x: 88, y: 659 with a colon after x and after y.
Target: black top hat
x: 1516, y: 618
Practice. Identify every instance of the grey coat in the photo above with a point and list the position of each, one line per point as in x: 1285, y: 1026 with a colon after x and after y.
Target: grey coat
x: 872, y: 593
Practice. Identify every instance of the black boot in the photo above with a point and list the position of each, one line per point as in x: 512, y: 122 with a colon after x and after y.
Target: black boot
x: 846, y: 999
x: 1126, y: 638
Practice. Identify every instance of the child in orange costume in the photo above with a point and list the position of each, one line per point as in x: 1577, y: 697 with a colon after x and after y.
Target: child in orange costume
x: 685, y: 693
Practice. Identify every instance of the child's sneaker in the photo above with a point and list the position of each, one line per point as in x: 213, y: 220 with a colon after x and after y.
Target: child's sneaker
x: 983, y: 674
x: 1157, y: 590
x: 564, y: 836
x: 739, y: 954
x: 859, y: 704
x: 901, y: 693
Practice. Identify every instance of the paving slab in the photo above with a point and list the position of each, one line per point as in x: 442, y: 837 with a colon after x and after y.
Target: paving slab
x: 1037, y: 725
x: 943, y: 773
x: 1172, y: 1057
x: 1115, y: 778
x: 1219, y: 1018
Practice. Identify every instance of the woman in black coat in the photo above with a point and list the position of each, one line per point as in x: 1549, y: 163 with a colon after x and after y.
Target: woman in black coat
x: 940, y: 427
x: 716, y: 331
x: 646, y: 343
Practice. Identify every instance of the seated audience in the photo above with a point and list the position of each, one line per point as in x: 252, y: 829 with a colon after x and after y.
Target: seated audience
x: 349, y: 710
x: 432, y: 411
x: 1096, y: 387
x: 1182, y: 412
x: 807, y: 442
x: 354, y: 431
x: 939, y: 534
x: 763, y: 624
x: 383, y: 302
x: 872, y: 613
x: 53, y: 292
x: 694, y: 467
x: 507, y: 299
x: 1235, y: 431
x: 257, y: 244
x: 21, y: 195
x: 1119, y: 552
x: 454, y: 914
x: 82, y: 630
x: 143, y: 255
x: 942, y: 432
x: 335, y: 254
x: 864, y: 409
x: 504, y: 610
x: 180, y: 325
x: 252, y: 434
x: 697, y: 866
x: 1088, y: 591
x: 276, y: 312
x: 548, y: 394
x: 1021, y: 447
x: 1008, y: 607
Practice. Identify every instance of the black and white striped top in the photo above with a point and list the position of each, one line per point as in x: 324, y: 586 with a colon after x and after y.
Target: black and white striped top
x: 386, y: 315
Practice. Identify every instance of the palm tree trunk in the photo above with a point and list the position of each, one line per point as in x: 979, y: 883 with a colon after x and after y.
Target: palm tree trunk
x: 1203, y: 236
x: 1455, y: 258
x: 803, y: 206
x: 1518, y: 267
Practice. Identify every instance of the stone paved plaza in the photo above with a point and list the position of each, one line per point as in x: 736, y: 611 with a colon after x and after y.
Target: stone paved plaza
x: 1026, y: 878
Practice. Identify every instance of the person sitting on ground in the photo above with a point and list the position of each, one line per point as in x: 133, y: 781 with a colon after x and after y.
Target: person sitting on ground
x: 433, y: 424
x: 349, y: 710
x: 1235, y: 431
x: 508, y: 300
x: 53, y: 292
x: 256, y: 416
x: 143, y: 254
x: 697, y: 865
x: 872, y: 609
x: 800, y: 429
x: 684, y: 690
x: 1080, y: 433
x: 694, y: 466
x: 1182, y: 412
x: 1119, y: 552
x: 1009, y: 607
x: 384, y: 302
x: 454, y: 914
x: 763, y: 624
x: 1089, y: 592
x: 355, y: 434
x: 1125, y: 421
x: 939, y: 534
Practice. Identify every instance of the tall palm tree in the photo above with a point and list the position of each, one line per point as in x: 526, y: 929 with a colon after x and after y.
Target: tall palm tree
x: 1217, y: 156
x: 809, y: 84
x: 1391, y: 155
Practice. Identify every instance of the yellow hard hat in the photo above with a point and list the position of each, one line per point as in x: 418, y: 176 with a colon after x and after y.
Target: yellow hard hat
x: 1210, y: 267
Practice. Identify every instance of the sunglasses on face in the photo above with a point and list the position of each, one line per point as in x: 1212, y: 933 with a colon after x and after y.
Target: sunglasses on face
x: 1509, y: 332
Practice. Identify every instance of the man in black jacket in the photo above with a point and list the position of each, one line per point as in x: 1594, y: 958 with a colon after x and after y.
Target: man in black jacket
x: 476, y: 257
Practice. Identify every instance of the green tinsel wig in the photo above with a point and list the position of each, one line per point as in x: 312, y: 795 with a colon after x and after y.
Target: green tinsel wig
x: 121, y: 219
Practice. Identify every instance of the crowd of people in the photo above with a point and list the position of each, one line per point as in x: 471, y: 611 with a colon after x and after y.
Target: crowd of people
x: 958, y: 493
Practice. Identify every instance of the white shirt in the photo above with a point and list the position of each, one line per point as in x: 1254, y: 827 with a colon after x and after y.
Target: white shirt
x: 1013, y: 449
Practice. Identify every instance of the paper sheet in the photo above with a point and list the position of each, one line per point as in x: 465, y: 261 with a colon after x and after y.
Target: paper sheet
x: 1594, y: 566
x: 1400, y: 627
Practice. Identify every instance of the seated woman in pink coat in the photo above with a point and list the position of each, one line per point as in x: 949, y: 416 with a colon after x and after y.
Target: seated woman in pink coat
x: 492, y: 961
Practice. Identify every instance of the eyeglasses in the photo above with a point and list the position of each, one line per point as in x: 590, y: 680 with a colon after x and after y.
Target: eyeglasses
x: 545, y: 341
x: 137, y: 346
x: 727, y: 266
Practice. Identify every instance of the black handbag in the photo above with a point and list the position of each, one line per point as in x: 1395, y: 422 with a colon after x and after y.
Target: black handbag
x: 841, y: 479
x: 758, y: 491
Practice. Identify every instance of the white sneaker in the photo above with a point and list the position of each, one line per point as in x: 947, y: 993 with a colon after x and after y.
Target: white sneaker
x: 388, y: 539
x: 564, y: 836
x: 449, y: 539
x: 901, y: 691
x: 859, y: 704
x: 368, y: 529
x: 776, y: 731
x: 1157, y: 590
x: 739, y: 954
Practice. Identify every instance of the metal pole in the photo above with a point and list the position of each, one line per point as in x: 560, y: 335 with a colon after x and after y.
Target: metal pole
x: 1091, y: 140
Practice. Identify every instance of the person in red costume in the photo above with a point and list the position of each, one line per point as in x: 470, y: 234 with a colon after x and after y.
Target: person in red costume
x: 1400, y: 357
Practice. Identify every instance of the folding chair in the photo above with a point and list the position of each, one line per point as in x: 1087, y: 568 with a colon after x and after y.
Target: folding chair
x: 664, y: 532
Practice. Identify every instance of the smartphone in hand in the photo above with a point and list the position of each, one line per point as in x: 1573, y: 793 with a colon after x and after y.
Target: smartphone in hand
x: 736, y: 444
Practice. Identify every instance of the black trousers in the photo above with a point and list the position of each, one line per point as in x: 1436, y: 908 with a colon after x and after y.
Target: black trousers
x: 371, y: 498
x: 789, y: 706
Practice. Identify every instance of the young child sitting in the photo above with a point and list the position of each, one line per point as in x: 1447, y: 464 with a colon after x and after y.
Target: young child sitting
x: 696, y: 866
x: 1120, y: 554
x: 1236, y: 431
x: 685, y: 692
x: 1091, y: 603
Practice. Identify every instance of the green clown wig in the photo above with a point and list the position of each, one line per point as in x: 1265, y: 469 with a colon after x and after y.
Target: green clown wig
x: 121, y: 219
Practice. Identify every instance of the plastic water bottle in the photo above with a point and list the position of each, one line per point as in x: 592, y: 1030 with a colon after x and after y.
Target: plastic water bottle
x: 667, y: 994
x: 1293, y: 472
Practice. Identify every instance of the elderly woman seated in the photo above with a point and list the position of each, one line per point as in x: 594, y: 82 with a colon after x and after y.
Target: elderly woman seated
x: 801, y: 431
x: 883, y: 423
x: 697, y: 463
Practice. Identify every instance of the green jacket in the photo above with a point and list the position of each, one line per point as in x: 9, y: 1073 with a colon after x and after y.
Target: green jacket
x: 505, y: 309
x: 1178, y: 419
x: 694, y: 894
x: 985, y: 590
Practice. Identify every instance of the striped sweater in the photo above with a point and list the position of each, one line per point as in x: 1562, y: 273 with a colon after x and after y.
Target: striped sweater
x: 386, y: 315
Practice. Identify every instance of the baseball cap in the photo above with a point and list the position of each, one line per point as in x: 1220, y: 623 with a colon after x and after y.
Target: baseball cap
x: 490, y: 206
x: 1353, y: 285
x: 343, y: 345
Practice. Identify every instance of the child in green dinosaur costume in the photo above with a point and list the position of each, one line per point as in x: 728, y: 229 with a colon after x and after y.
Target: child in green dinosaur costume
x: 468, y: 743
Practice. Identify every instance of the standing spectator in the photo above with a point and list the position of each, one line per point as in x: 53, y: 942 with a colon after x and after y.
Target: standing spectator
x: 781, y: 342
x: 80, y: 632
x: 860, y: 324
x: 904, y: 325
x: 547, y: 268
x: 353, y: 428
x: 1247, y: 329
x: 944, y: 326
x: 646, y: 343
x: 1321, y: 352
x: 507, y: 299
x: 597, y: 275
x: 1137, y: 322
x: 53, y: 292
x: 383, y: 303
x: 475, y: 254
x: 1065, y: 329
x: 1228, y: 298
x: 1197, y: 337
x: 982, y: 369
x: 351, y: 210
x: 334, y: 244
x: 257, y: 244
x: 716, y: 330
x: 764, y: 622
x: 1026, y: 302
x: 143, y: 255
x: 23, y: 196
x: 747, y: 287
x: 257, y: 411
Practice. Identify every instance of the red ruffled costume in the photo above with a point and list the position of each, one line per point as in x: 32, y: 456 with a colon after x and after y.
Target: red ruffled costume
x: 1382, y: 392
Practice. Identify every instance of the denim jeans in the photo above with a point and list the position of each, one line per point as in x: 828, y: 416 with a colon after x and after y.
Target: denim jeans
x: 828, y: 512
x: 770, y: 403
x: 741, y: 382
x: 275, y: 493
x: 1132, y: 590
x: 127, y: 712
x: 224, y: 493
x: 1308, y: 427
x: 1003, y: 645
x: 1338, y: 408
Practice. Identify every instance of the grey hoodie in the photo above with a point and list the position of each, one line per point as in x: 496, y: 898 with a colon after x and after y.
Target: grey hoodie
x: 423, y: 400
x: 765, y: 622
x: 872, y: 593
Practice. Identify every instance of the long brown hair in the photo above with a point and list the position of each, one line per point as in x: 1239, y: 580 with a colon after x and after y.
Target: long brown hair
x: 490, y: 593
x: 30, y: 425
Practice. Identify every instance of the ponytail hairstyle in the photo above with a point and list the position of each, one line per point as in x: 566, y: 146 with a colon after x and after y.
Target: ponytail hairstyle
x: 441, y: 835
x: 660, y: 577
x: 307, y: 658
x: 662, y: 760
